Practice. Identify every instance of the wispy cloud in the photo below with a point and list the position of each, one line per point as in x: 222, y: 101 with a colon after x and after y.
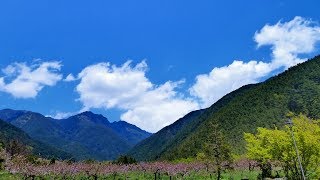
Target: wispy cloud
x: 62, y: 115
x: 70, y: 78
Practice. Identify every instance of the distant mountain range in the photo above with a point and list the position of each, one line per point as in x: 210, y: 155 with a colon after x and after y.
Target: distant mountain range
x: 266, y: 104
x: 83, y: 136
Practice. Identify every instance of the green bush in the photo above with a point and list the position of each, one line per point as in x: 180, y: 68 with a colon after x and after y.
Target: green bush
x: 124, y: 159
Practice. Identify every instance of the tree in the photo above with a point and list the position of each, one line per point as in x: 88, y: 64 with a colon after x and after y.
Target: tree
x: 216, y: 149
x: 277, y: 145
x: 15, y: 147
x: 124, y: 159
x: 2, y: 156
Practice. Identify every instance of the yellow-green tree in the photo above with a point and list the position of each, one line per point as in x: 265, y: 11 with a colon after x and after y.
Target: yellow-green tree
x: 277, y: 145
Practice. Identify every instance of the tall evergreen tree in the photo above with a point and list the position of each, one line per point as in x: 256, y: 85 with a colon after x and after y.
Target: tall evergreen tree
x: 217, y: 149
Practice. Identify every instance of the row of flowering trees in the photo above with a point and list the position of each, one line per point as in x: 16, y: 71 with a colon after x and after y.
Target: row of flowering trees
x: 95, y: 170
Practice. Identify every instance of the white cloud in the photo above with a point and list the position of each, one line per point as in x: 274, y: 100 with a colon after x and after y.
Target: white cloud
x: 159, y: 107
x: 2, y: 84
x: 9, y: 70
x: 28, y: 81
x: 61, y: 115
x: 70, y: 78
x: 127, y: 88
x: 103, y: 85
x: 288, y: 40
x: 211, y: 87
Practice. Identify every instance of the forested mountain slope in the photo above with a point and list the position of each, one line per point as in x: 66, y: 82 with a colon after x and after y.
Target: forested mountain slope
x: 265, y: 104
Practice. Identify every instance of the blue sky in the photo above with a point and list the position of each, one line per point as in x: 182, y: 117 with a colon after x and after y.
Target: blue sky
x: 174, y: 47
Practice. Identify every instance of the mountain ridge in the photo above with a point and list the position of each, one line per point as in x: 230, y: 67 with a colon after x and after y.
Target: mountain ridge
x: 263, y: 104
x: 85, y: 135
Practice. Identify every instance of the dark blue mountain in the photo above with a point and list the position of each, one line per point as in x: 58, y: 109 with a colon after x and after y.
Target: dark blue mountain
x: 85, y: 135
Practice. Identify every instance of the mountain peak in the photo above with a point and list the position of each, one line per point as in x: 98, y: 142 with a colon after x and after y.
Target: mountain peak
x: 87, y: 113
x: 9, y: 114
x: 91, y: 117
x: 86, y: 117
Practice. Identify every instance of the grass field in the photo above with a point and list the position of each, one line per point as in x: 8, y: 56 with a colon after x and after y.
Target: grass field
x: 4, y: 175
x: 232, y: 175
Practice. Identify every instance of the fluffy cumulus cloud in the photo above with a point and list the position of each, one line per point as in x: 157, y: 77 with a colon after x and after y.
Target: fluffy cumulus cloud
x: 211, y: 87
x: 23, y: 81
x: 126, y: 87
x: 159, y: 107
x: 288, y: 40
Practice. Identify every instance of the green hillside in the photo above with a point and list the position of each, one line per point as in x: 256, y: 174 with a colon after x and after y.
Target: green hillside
x: 9, y: 132
x: 261, y: 105
x: 152, y: 147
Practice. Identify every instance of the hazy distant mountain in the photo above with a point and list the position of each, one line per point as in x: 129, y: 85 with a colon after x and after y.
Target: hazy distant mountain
x: 85, y: 136
x: 265, y: 104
